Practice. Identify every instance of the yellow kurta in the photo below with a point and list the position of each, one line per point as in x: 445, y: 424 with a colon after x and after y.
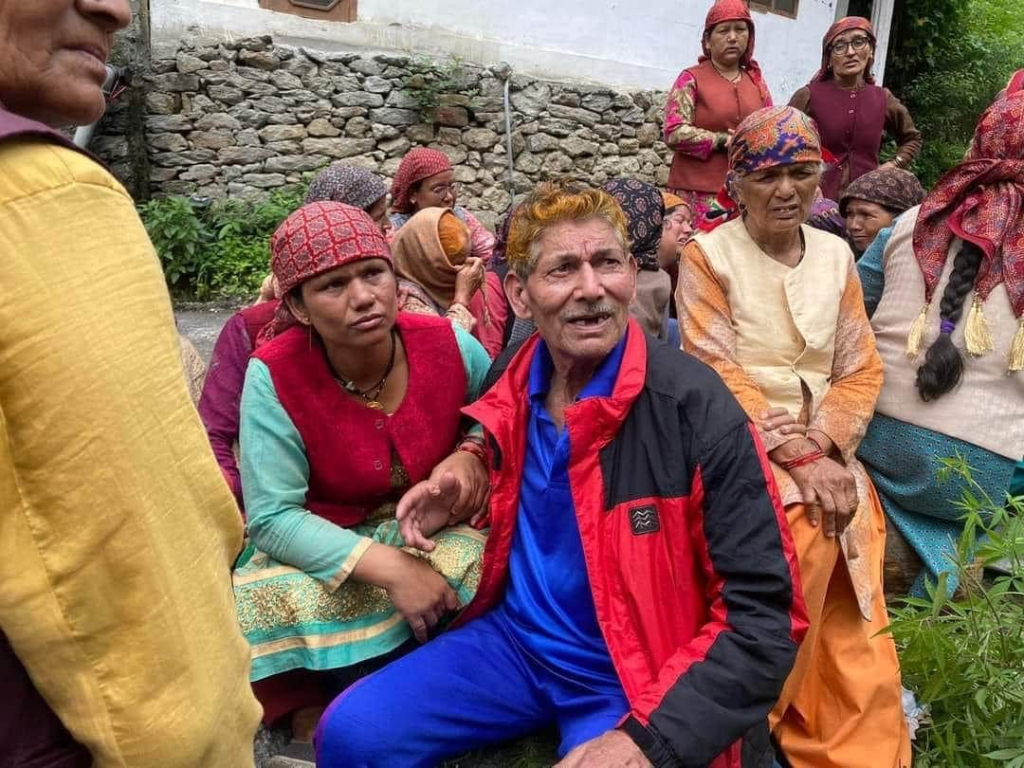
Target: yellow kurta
x: 117, y: 531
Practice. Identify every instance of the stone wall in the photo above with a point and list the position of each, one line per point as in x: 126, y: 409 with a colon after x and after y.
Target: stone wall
x: 244, y: 117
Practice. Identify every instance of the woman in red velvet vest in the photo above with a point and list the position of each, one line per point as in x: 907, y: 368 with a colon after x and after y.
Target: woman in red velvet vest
x: 346, y: 403
x: 852, y: 112
x: 222, y: 391
x: 708, y: 101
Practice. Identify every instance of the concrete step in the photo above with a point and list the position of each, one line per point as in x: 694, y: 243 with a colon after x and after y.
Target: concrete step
x: 287, y: 762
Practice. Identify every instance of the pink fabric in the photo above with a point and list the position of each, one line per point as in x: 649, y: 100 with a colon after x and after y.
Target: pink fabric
x: 482, y: 241
x: 490, y: 310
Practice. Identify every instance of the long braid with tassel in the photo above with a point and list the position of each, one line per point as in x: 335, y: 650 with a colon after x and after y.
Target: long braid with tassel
x: 943, y: 364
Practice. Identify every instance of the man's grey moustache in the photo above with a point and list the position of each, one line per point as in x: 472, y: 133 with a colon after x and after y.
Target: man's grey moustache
x: 597, y: 312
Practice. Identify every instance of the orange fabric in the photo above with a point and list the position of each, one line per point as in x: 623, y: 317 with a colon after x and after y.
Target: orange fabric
x: 671, y: 200
x: 454, y: 237
x: 841, y: 706
x: 706, y: 328
x: 420, y: 256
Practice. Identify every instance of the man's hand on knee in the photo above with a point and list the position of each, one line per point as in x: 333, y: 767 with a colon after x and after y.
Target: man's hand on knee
x: 612, y: 749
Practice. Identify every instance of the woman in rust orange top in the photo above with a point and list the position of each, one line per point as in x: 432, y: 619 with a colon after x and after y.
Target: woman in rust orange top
x: 708, y: 101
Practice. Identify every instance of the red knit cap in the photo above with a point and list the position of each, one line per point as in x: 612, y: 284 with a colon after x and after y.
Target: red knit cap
x: 315, y: 239
x: 321, y: 236
x: 417, y: 165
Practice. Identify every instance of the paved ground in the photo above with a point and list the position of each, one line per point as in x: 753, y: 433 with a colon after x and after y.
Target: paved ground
x: 201, y: 323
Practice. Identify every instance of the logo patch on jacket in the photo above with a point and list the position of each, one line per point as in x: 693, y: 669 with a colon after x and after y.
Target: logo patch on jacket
x: 644, y: 520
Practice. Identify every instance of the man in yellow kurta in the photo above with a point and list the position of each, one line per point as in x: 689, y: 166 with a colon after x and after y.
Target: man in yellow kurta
x: 118, y: 640
x: 117, y: 532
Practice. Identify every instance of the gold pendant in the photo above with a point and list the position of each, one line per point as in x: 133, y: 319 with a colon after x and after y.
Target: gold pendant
x: 373, y: 405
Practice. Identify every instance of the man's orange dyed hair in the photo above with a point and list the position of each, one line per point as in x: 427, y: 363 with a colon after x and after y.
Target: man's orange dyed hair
x: 551, y: 203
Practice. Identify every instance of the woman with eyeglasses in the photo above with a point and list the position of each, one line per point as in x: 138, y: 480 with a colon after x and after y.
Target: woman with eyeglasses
x: 852, y: 112
x: 426, y: 179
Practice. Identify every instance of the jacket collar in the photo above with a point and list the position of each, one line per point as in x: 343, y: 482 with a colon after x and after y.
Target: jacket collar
x: 502, y: 409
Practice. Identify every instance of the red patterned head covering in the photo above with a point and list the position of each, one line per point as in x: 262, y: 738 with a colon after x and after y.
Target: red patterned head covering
x: 734, y: 10
x: 845, y: 25
x: 417, y: 165
x: 1015, y: 84
x: 982, y: 201
x: 315, y: 239
x: 773, y: 136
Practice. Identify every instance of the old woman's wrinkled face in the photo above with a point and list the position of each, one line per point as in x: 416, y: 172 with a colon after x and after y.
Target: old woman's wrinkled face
x: 53, y: 56
x: 776, y: 200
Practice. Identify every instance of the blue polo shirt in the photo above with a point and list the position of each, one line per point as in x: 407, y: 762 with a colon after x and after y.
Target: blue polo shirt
x: 548, y: 607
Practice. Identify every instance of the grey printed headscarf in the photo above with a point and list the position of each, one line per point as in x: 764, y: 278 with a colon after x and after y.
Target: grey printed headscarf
x: 347, y: 184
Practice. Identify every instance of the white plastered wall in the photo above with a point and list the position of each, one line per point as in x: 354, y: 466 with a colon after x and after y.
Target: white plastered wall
x: 639, y: 44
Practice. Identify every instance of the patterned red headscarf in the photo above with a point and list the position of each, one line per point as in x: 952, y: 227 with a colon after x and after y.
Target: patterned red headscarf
x: 315, y: 239
x: 734, y: 10
x: 1016, y: 83
x: 981, y: 201
x: 845, y: 25
x: 417, y: 165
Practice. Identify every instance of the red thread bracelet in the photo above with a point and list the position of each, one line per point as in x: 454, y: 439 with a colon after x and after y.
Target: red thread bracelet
x: 801, y: 461
x: 475, y: 448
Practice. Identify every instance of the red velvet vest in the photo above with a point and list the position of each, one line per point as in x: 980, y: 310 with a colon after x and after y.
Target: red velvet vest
x: 256, y: 317
x: 851, y: 125
x: 721, y: 106
x: 348, y: 445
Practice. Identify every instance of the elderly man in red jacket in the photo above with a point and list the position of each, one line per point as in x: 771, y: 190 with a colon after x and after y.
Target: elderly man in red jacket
x: 640, y: 588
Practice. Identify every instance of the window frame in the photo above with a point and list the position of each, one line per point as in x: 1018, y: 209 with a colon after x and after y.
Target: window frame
x: 768, y: 6
x: 341, y: 11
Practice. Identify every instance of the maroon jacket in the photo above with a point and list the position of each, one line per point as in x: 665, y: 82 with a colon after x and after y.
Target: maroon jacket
x: 31, y: 735
x: 852, y: 124
x: 689, y: 556
x: 225, y: 378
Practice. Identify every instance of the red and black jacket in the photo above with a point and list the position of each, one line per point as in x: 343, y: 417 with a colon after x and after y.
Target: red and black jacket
x: 692, y: 568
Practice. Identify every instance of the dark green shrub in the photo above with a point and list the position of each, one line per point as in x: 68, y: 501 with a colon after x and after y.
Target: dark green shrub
x: 948, y: 60
x: 220, y: 250
x: 963, y: 654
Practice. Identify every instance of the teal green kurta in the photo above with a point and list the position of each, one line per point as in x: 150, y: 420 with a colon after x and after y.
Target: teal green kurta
x: 295, y: 603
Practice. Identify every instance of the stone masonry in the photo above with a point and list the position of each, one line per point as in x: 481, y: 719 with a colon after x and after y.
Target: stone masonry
x: 241, y: 118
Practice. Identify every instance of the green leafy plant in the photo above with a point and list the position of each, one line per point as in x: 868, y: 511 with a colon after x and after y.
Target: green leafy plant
x: 220, y: 250
x: 963, y: 654
x: 180, y: 237
x: 432, y: 81
x: 947, y: 61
